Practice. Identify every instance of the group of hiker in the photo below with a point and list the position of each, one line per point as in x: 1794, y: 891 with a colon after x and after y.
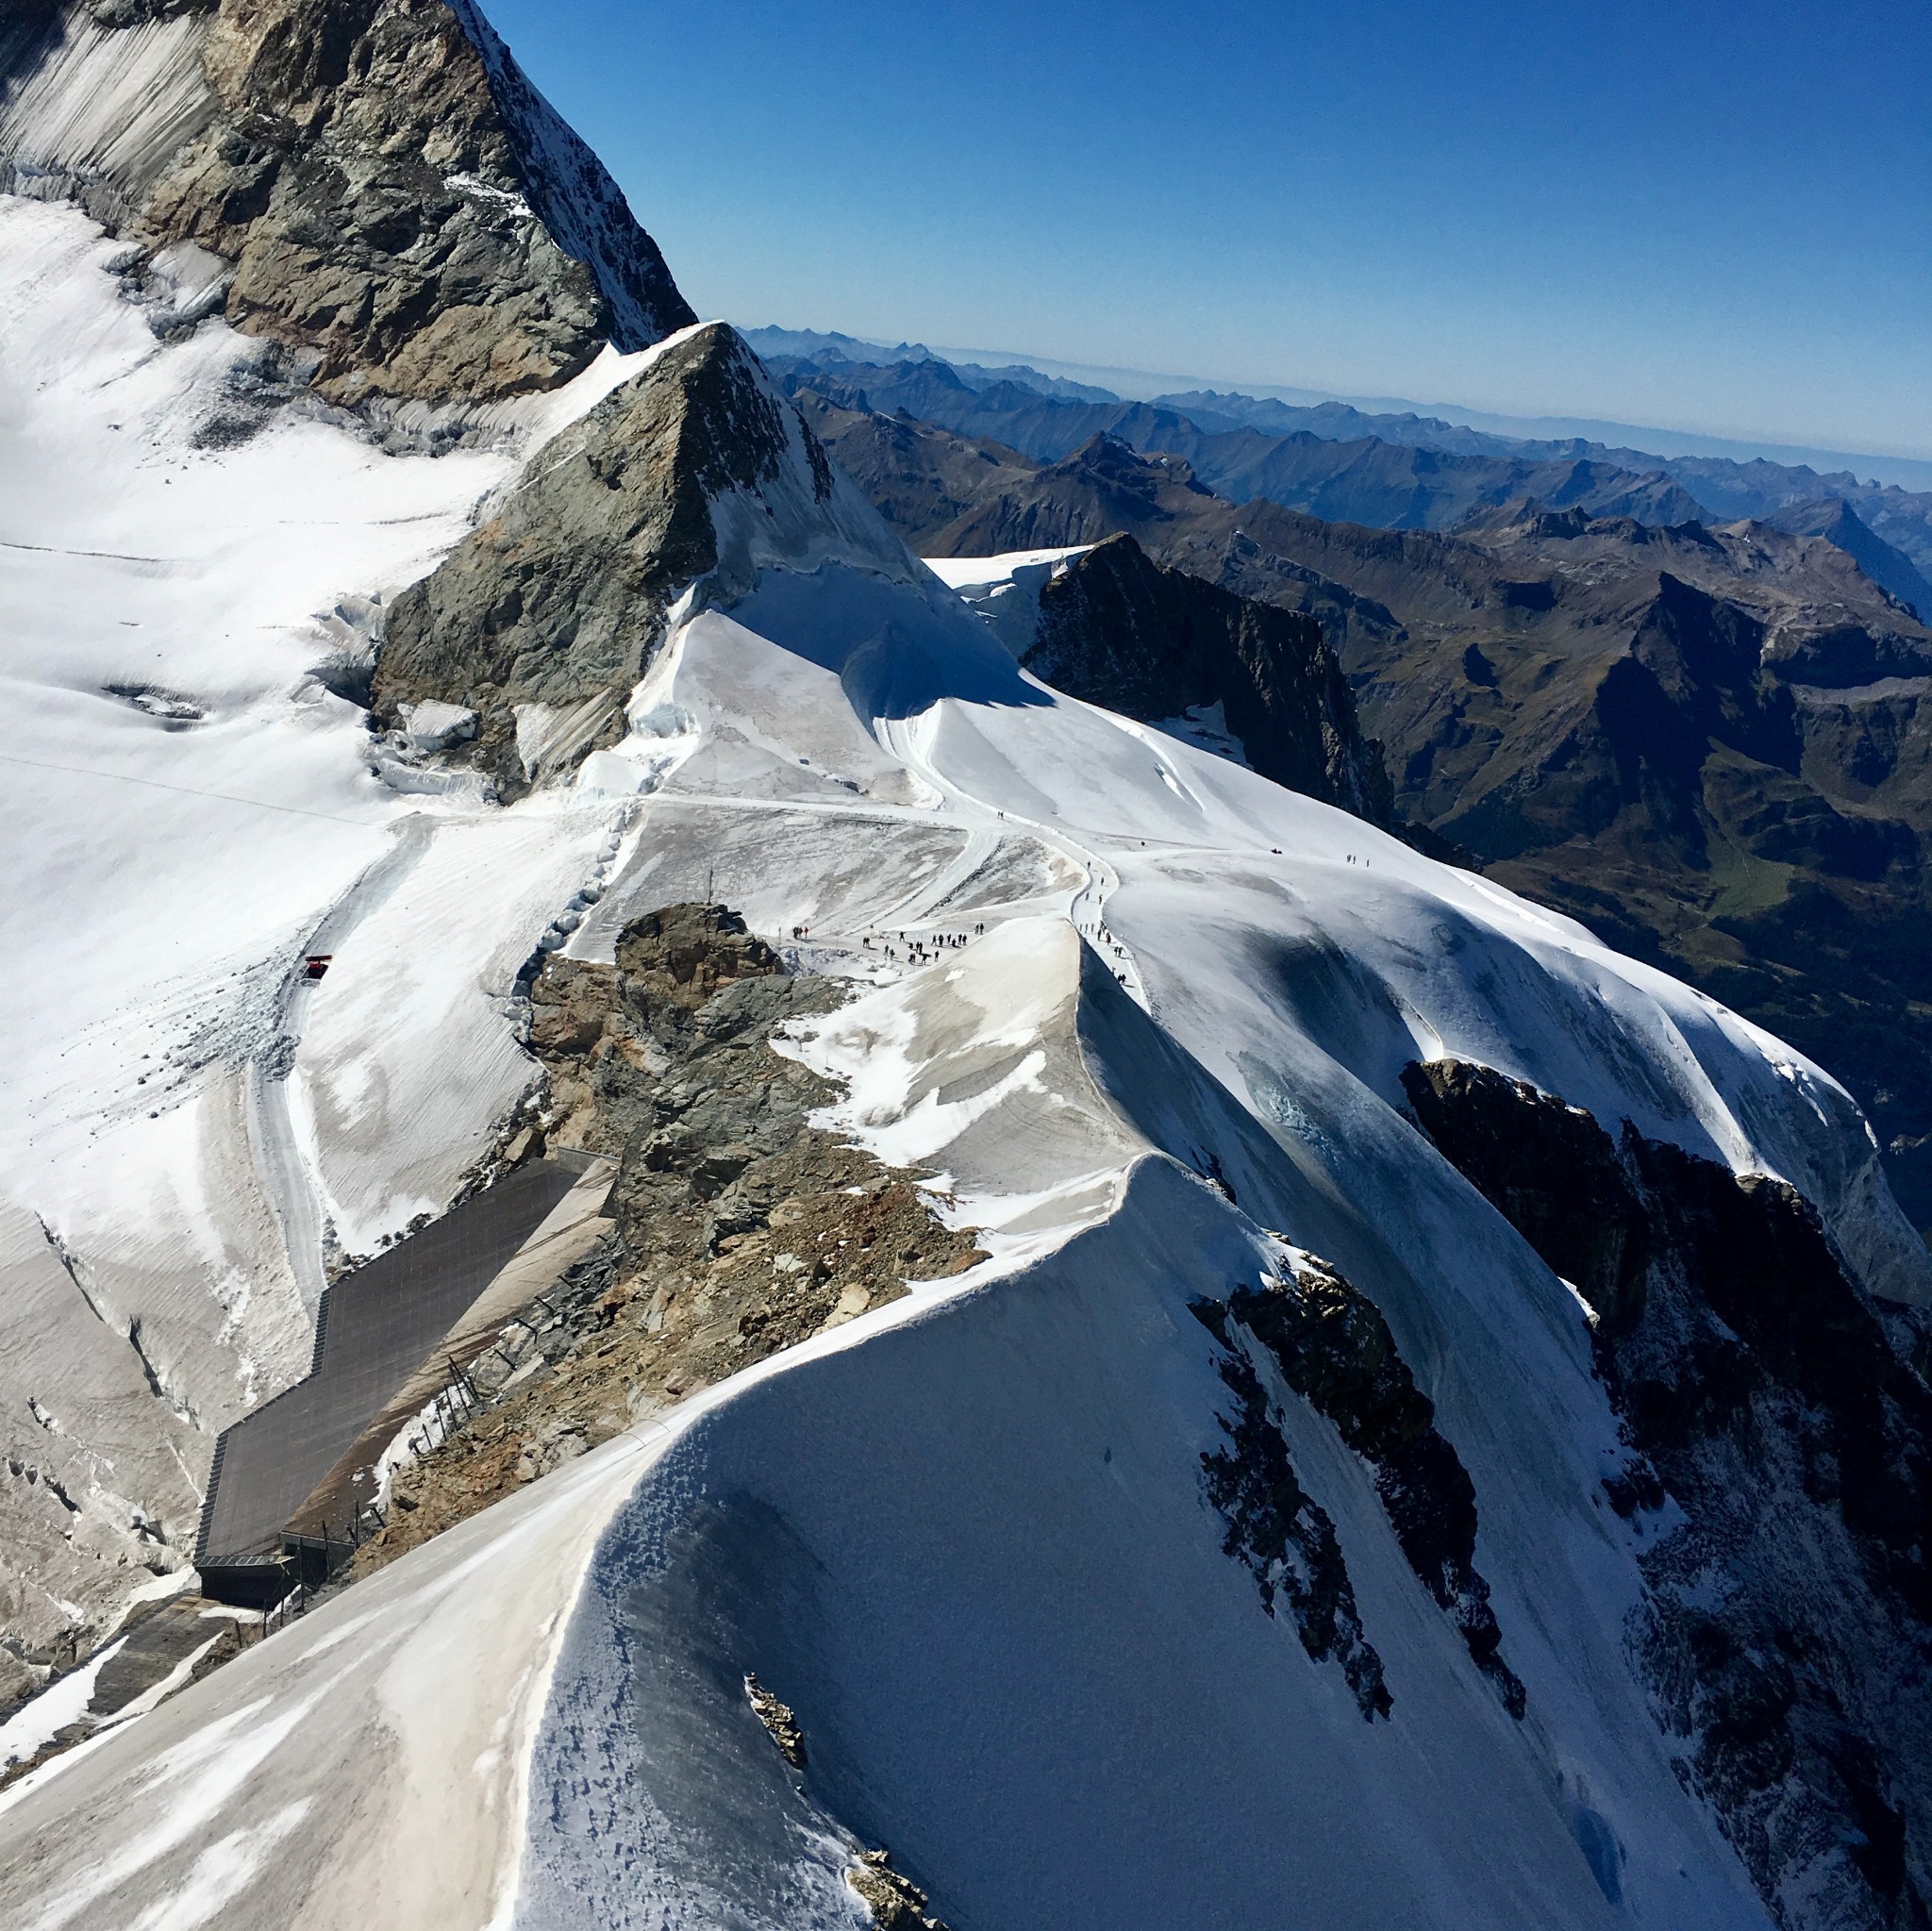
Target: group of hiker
x: 921, y: 951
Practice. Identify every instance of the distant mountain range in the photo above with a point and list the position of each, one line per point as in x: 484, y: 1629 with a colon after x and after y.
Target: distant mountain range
x: 1086, y: 1261
x: 1704, y: 743
x: 1140, y: 385
x: 1389, y: 472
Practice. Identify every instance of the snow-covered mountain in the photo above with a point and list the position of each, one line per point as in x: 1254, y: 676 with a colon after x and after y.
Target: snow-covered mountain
x: 1438, y: 1434
x: 197, y: 554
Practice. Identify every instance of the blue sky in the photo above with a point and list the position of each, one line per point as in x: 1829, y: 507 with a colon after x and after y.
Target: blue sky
x: 1706, y: 215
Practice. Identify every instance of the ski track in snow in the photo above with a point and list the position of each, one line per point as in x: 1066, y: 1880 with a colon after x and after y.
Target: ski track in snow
x: 291, y: 1186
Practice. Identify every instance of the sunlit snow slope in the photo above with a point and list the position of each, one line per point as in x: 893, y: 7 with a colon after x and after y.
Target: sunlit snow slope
x: 964, y: 1537
x: 187, y: 1125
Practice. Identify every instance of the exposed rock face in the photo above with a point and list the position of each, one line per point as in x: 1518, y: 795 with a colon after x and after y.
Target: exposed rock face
x: 395, y: 202
x: 742, y: 1228
x: 559, y: 599
x: 1118, y: 629
x: 895, y: 1902
x: 1552, y: 1173
x: 1786, y: 1423
x: 1279, y: 1530
x: 1332, y: 1347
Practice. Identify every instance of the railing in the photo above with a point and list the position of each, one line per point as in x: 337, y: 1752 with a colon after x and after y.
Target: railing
x: 323, y: 1555
x: 208, y: 1498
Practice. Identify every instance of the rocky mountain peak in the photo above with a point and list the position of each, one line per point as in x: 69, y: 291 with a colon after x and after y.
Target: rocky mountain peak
x: 1118, y: 629
x: 1834, y: 519
x: 542, y: 621
x: 386, y: 194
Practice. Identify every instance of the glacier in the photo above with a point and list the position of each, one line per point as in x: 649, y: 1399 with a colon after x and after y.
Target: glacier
x: 964, y: 1537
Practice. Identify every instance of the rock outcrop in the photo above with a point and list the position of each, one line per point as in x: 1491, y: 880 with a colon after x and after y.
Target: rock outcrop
x: 1279, y: 1531
x: 1330, y: 1344
x: 544, y: 618
x: 895, y: 1902
x: 375, y: 185
x: 742, y: 1228
x: 1118, y: 629
x: 780, y: 1721
x: 558, y: 600
x: 1779, y: 1430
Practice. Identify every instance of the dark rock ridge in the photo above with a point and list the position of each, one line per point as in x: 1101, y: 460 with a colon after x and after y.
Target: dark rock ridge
x: 558, y: 598
x: 1329, y: 1343
x: 395, y: 201
x: 1279, y: 1531
x: 1712, y: 746
x: 1780, y: 1434
x: 1118, y: 629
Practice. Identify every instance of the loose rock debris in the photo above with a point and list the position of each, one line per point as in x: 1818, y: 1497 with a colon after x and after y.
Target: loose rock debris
x: 742, y: 1228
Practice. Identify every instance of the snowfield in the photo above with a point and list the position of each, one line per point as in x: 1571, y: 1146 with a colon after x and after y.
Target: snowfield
x: 190, y: 809
x: 965, y: 1537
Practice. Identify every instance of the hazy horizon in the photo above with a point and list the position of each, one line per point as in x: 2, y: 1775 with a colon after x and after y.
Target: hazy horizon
x: 1664, y: 440
x: 1719, y: 225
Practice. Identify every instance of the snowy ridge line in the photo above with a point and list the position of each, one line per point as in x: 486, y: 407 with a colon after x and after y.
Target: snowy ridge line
x: 635, y: 1547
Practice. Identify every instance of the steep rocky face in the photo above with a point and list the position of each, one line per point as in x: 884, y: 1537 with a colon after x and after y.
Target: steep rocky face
x: 921, y: 479
x: 1780, y: 1430
x: 1330, y: 1344
x: 1117, y: 629
x: 1712, y: 746
x: 544, y: 618
x: 383, y: 191
x: 1279, y: 1531
x: 1550, y: 1170
x: 1891, y: 568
